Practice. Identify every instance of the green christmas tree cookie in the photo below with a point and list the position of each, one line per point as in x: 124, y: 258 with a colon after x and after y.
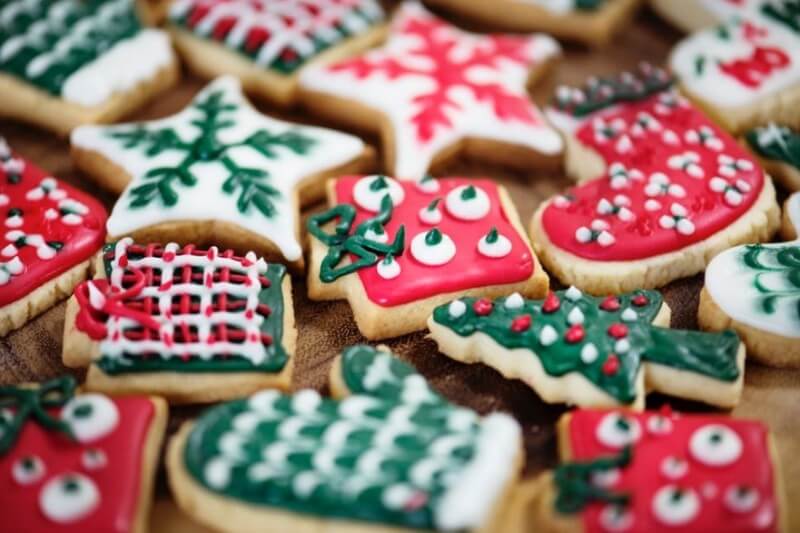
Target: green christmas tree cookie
x: 389, y: 452
x: 589, y: 351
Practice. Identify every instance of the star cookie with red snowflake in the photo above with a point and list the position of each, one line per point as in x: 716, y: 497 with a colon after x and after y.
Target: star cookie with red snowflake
x: 662, y: 188
x: 662, y: 472
x: 48, y: 233
x: 190, y: 324
x: 434, y: 91
x: 76, y: 462
x: 396, y: 249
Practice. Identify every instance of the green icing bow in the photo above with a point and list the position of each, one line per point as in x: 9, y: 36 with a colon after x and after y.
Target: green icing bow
x: 575, y: 485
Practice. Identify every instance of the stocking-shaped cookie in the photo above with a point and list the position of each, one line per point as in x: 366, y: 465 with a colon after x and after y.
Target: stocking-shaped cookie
x: 755, y: 289
x: 665, y: 189
x: 389, y: 453
x: 434, y: 91
x: 397, y: 249
x: 746, y: 71
x: 189, y: 324
x: 661, y: 472
x: 217, y: 173
x: 77, y: 462
x: 267, y: 43
x: 48, y: 234
x: 75, y: 62
x: 590, y: 351
x: 778, y: 148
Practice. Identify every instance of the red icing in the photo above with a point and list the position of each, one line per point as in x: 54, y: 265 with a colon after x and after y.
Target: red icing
x: 643, y: 476
x: 611, y: 365
x: 752, y: 71
x: 118, y: 482
x: 618, y: 330
x: 468, y: 269
x: 611, y: 303
x: 575, y: 334
x: 643, y: 236
x: 482, y: 307
x: 521, y: 323
x: 79, y: 241
x: 551, y: 303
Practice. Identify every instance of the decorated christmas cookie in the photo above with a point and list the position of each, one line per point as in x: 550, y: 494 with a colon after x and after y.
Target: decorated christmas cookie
x: 74, y: 62
x: 267, y: 43
x: 662, y: 188
x: 746, y: 71
x: 48, y: 234
x: 594, y: 22
x: 778, y: 148
x: 435, y: 91
x: 662, y: 472
x: 388, y: 453
x: 189, y: 324
x: 77, y: 462
x: 396, y: 249
x: 693, y: 15
x: 219, y: 172
x: 588, y: 351
x: 755, y: 289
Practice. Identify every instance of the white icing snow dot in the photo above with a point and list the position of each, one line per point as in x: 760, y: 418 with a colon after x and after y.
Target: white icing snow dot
x: 573, y: 294
x: 370, y: 190
x: 28, y: 469
x: 675, y: 506
x: 616, y: 430
x: 68, y: 498
x: 468, y: 202
x: 388, y: 270
x: 433, y: 249
x: 457, y: 308
x: 715, y: 445
x: 494, y: 246
x: 90, y: 416
x: 575, y: 316
x: 514, y: 301
x: 428, y: 185
x: 548, y: 335
x: 629, y: 315
x: 741, y: 499
x: 589, y: 353
x: 430, y: 216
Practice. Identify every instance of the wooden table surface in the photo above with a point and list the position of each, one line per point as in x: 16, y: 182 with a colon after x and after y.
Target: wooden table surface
x: 770, y: 395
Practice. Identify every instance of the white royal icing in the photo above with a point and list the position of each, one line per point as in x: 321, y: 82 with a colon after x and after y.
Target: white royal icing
x: 370, y: 199
x: 470, y: 209
x: 388, y: 270
x: 69, y: 497
x: 715, y: 445
x: 90, y: 416
x: 514, y: 301
x: 741, y: 499
x: 673, y: 467
x: 28, y: 470
x: 430, y: 216
x: 616, y: 430
x: 433, y: 255
x: 457, y: 308
x: 495, y: 250
x: 675, y: 511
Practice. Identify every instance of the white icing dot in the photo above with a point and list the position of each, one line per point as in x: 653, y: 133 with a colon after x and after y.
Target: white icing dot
x: 514, y: 301
x: 501, y: 247
x: 468, y: 202
x: 428, y: 185
x: 583, y: 234
x: 14, y: 221
x: 306, y: 401
x: 652, y: 205
x: 94, y: 459
x: 605, y: 239
x: 388, y: 270
x: 373, y: 235
x: 715, y: 445
x: 573, y: 294
x: 430, y: 216
x: 217, y: 472
x: 589, y: 353
x: 548, y: 335
x: 9, y: 250
x: 396, y: 496
x: 45, y: 252
x: 368, y: 195
x: 622, y: 346
x: 674, y: 506
x: 685, y: 226
x: 436, y: 254
x: 4, y: 200
x: 575, y: 316
x: 263, y: 401
x: 28, y: 470
x: 616, y: 430
x: 674, y: 467
x: 741, y: 499
x: 629, y: 315
x: 606, y: 478
x: 68, y: 498
x: 616, y: 518
x: 659, y: 425
x: 90, y: 416
x: 456, y: 308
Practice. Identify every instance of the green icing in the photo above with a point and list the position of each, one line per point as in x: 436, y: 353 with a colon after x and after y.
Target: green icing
x: 575, y: 486
x: 388, y: 453
x: 611, y: 366
x: 46, y: 41
x: 276, y: 356
x: 250, y: 184
x: 588, y: 5
x: 768, y: 261
x: 785, y: 12
x: 778, y: 143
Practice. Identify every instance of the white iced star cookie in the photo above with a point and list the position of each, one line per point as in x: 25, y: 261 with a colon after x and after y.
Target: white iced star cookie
x: 435, y: 91
x: 217, y: 173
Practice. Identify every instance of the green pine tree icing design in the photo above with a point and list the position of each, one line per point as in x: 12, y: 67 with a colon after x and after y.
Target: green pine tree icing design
x: 604, y: 339
x: 778, y: 143
x: 251, y: 185
x: 392, y: 452
x: 771, y: 263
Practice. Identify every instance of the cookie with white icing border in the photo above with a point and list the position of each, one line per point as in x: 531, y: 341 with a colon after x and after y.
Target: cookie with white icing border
x: 755, y: 289
x: 190, y: 324
x: 397, y: 249
x: 745, y: 71
x: 217, y: 173
x: 49, y: 232
x: 662, y: 472
x: 388, y: 454
x: 778, y: 149
x: 434, y: 91
x: 268, y: 43
x: 70, y: 63
x: 662, y: 188
x: 592, y: 351
x: 594, y: 22
x: 77, y: 462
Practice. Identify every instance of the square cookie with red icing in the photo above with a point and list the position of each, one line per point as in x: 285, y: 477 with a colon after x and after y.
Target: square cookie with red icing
x: 662, y: 188
x: 48, y: 233
x: 75, y: 462
x: 187, y: 323
x: 662, y: 472
x: 397, y: 249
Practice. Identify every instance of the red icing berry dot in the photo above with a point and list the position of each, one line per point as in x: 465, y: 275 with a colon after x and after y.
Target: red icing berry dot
x: 575, y: 334
x: 551, y: 303
x: 618, y: 330
x: 521, y: 323
x: 640, y: 300
x: 611, y: 303
x: 168, y: 256
x: 611, y: 365
x: 482, y: 307
x: 123, y: 261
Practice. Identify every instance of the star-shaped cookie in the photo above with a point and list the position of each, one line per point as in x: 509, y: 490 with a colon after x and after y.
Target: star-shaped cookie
x: 217, y: 173
x: 435, y: 91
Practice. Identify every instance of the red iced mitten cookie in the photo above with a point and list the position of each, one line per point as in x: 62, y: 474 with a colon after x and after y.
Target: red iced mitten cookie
x: 49, y: 231
x: 77, y: 462
x: 663, y: 190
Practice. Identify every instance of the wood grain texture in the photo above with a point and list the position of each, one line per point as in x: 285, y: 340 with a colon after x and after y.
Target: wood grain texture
x: 33, y: 353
